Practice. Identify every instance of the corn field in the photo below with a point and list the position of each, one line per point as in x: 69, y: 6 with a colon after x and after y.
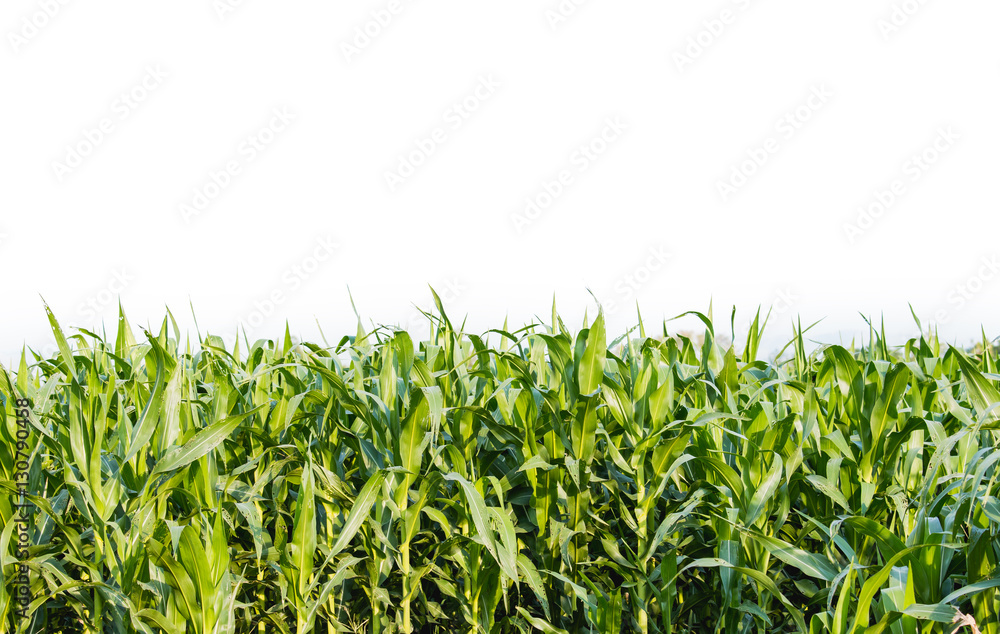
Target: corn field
x: 524, y: 480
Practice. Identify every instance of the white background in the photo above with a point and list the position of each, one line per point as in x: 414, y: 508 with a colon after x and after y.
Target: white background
x: 700, y: 88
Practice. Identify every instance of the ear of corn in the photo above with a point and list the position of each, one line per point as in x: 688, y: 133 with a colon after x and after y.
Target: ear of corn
x: 528, y: 480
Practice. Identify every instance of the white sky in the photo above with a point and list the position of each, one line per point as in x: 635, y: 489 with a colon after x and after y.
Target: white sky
x: 640, y: 215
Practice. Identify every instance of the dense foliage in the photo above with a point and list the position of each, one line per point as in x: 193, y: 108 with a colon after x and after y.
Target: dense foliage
x: 531, y: 480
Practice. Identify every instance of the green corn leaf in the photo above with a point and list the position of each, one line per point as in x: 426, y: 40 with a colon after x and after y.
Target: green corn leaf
x: 359, y: 511
x: 762, y: 496
x: 304, y: 529
x: 982, y: 393
x: 480, y: 514
x: 808, y: 563
x: 201, y: 443
x: 592, y: 363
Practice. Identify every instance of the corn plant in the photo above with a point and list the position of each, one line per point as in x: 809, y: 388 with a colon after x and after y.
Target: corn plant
x: 518, y: 480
